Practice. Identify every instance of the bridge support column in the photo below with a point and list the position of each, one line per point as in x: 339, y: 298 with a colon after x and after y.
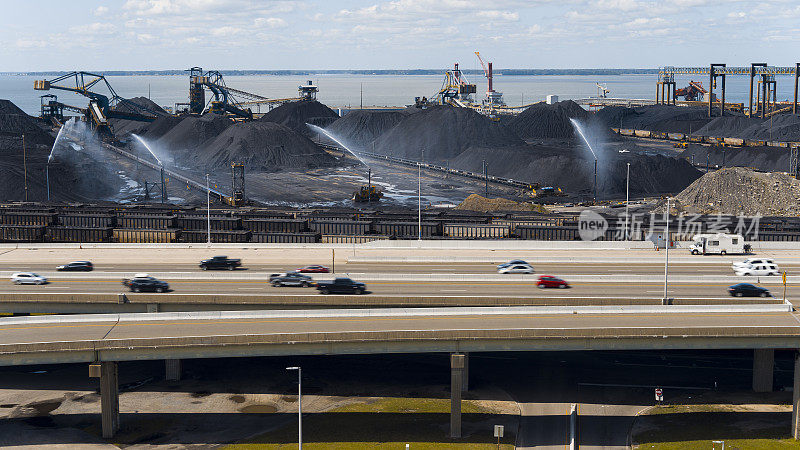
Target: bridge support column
x: 173, y: 369
x: 796, y: 397
x: 109, y: 398
x: 763, y: 363
x: 456, y: 379
x: 465, y: 374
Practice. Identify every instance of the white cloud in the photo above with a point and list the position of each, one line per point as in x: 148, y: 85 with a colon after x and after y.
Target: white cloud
x: 96, y: 28
x: 505, y: 16
x: 270, y: 22
x: 100, y: 11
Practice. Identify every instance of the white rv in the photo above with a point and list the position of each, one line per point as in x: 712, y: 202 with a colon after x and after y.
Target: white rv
x: 718, y: 244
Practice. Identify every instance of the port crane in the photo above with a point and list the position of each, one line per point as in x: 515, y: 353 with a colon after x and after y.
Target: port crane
x: 102, y: 107
x: 233, y: 101
x: 493, y: 98
x: 693, y: 92
x: 602, y: 90
x: 455, y: 89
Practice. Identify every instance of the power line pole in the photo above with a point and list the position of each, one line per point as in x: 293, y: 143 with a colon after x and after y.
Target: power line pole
x: 25, y: 166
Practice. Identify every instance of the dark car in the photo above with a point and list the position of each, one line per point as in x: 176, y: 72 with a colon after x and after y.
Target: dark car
x: 291, y: 279
x: 146, y: 284
x: 548, y: 281
x: 313, y: 269
x: 748, y: 290
x: 219, y: 263
x: 341, y: 286
x: 77, y: 266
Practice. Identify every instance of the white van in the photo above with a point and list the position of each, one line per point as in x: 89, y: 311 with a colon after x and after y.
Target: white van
x: 719, y: 243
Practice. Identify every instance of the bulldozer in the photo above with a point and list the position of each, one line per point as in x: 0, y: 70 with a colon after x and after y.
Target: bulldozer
x: 367, y: 194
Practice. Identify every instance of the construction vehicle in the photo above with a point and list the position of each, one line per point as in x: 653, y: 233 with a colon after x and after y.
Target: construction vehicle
x: 367, y: 194
x: 693, y: 92
x: 102, y: 107
x: 237, y: 183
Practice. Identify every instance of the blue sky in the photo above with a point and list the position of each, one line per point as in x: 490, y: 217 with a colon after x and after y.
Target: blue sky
x: 394, y: 34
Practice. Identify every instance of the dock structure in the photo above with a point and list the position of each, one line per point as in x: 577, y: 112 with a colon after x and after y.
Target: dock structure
x: 765, y: 95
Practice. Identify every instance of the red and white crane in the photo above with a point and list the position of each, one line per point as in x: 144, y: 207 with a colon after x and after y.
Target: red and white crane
x: 493, y: 98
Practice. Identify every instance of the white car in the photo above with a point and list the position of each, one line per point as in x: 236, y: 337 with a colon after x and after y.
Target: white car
x: 757, y: 270
x: 516, y: 268
x: 28, y: 278
x: 752, y: 262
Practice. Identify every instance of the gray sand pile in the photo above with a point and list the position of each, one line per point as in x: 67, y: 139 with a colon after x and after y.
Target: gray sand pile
x: 263, y: 146
x: 548, y: 121
x: 476, y: 202
x: 360, y: 127
x: 661, y: 118
x: 573, y: 172
x: 737, y: 190
x: 295, y: 115
x: 443, y: 132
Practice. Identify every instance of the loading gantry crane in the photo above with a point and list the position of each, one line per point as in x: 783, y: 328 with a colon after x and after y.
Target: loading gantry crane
x: 102, y: 107
x: 455, y: 89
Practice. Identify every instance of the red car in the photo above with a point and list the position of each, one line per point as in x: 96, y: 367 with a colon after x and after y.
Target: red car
x: 313, y: 269
x: 548, y: 281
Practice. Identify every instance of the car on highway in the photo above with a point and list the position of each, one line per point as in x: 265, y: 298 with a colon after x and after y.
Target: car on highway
x: 511, y: 263
x: 28, y: 278
x: 549, y: 281
x: 76, y: 266
x: 291, y: 279
x: 748, y: 290
x: 752, y: 262
x: 142, y: 282
x: 760, y: 269
x: 341, y: 286
x: 516, y: 268
x: 313, y: 269
x: 220, y: 263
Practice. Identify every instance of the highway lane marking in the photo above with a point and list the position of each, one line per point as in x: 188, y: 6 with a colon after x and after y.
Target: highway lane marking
x: 414, y: 318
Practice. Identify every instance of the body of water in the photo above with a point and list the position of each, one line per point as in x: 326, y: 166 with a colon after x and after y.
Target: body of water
x: 378, y: 90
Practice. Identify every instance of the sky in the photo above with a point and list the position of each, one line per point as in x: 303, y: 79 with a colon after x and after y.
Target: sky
x: 394, y: 34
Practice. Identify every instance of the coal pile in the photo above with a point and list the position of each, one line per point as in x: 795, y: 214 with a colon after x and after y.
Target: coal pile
x: 770, y: 159
x: 443, y: 132
x: 736, y: 190
x: 574, y: 172
x: 192, y: 132
x: 727, y: 126
x: 14, y: 123
x: 74, y: 175
x: 263, y: 146
x: 161, y: 126
x: 548, y: 121
x: 780, y: 127
x: 295, y: 115
x: 360, y: 127
x: 660, y: 118
x: 123, y: 127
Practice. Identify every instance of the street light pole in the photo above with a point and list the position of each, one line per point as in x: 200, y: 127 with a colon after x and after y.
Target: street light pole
x: 299, y: 405
x: 47, y: 173
x: 419, y: 202
x: 627, y: 200
x: 595, y: 180
x: 208, y: 208
x: 666, y: 247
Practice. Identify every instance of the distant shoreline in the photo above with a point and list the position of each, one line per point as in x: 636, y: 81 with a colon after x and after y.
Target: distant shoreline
x: 605, y: 72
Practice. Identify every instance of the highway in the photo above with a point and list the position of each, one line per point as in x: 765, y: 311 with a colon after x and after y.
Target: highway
x: 155, y: 335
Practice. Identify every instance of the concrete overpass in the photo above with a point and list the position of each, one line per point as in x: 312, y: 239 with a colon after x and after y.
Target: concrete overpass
x: 102, y: 340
